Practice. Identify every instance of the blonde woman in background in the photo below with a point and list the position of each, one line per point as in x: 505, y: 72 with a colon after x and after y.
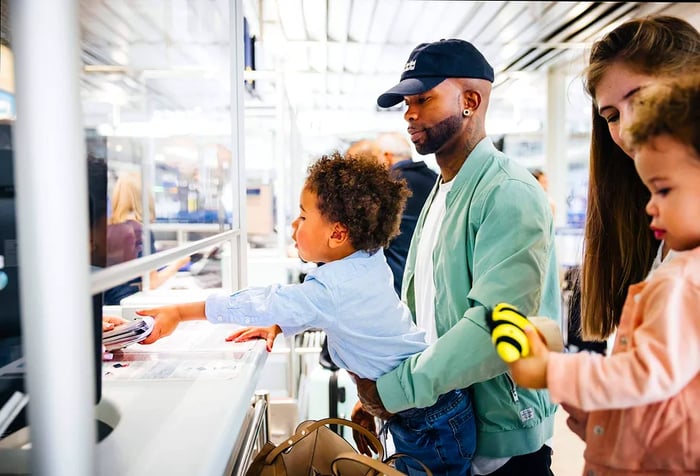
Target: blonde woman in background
x: 124, y: 237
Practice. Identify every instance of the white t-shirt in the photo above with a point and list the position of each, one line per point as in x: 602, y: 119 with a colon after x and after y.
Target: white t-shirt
x: 424, y: 285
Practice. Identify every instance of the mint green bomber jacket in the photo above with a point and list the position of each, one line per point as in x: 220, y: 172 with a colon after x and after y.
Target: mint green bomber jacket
x: 496, y: 244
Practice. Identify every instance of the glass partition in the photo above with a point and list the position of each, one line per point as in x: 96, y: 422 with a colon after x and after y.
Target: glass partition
x: 156, y: 92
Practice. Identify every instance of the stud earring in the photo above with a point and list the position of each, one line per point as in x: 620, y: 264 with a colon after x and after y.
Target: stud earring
x: 466, y: 113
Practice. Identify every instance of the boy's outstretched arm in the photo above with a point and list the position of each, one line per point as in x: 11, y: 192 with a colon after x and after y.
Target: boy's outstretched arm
x: 248, y: 333
x: 168, y: 317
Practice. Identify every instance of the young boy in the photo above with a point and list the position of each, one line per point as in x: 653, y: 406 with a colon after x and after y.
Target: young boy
x: 350, y: 208
x: 641, y: 401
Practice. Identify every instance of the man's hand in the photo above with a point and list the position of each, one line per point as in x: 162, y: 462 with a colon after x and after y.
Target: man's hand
x: 248, y: 333
x: 364, y: 419
x: 369, y: 396
x: 577, y: 421
x: 166, y: 319
x: 531, y: 371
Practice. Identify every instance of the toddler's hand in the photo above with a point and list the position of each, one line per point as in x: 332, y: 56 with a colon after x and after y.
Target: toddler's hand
x: 248, y: 333
x: 531, y: 371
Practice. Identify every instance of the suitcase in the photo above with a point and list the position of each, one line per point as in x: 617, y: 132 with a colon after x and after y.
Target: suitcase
x: 327, y: 391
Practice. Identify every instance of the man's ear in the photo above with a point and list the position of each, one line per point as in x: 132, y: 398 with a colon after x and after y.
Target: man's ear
x: 471, y: 100
x: 339, y: 235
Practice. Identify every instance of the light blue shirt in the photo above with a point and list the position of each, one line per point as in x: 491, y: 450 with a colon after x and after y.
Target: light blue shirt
x: 370, y: 331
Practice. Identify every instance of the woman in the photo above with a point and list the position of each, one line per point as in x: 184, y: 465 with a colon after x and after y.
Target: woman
x: 619, y: 247
x: 124, y: 237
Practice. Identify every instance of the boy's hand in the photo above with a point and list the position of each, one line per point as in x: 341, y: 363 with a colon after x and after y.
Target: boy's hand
x: 364, y: 419
x: 248, y: 333
x: 531, y: 371
x: 166, y: 319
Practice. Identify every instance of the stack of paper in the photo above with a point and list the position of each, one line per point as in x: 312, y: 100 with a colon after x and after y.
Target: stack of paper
x: 11, y: 409
x: 127, y: 334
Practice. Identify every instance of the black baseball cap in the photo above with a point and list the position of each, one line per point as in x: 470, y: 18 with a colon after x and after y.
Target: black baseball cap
x: 431, y: 63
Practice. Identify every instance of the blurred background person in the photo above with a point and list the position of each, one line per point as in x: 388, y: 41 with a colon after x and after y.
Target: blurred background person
x: 543, y: 180
x: 124, y: 237
x: 364, y: 147
x: 396, y: 153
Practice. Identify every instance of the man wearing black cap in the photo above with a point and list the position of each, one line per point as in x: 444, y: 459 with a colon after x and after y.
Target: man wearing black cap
x: 484, y: 236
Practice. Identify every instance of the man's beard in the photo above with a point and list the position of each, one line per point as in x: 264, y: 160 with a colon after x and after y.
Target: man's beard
x: 436, y: 136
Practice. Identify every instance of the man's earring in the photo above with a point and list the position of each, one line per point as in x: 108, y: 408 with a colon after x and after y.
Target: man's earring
x: 466, y: 113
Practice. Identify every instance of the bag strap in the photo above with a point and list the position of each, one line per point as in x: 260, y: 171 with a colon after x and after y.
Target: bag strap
x: 301, y: 434
x: 383, y: 467
x: 396, y: 456
x: 379, y: 466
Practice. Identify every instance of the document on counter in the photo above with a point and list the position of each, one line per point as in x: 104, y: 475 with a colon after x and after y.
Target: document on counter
x: 171, y: 369
x: 127, y: 334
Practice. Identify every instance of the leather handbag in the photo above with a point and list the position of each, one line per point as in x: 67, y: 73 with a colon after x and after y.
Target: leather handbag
x: 352, y: 463
x: 311, y: 450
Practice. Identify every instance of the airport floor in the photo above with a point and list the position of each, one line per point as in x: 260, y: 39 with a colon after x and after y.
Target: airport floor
x: 567, y: 459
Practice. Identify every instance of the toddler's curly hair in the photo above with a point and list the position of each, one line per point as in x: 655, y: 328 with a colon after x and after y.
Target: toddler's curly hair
x: 360, y: 193
x: 667, y: 107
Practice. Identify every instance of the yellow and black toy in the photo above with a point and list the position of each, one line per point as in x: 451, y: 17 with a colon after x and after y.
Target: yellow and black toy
x: 506, y: 324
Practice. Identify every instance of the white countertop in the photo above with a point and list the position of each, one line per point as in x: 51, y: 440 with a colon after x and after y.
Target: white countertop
x: 178, y: 406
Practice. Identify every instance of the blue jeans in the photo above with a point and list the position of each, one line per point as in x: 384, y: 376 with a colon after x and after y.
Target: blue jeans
x: 443, y: 436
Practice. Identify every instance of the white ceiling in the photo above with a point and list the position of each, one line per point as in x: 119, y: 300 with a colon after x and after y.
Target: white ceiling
x: 146, y: 58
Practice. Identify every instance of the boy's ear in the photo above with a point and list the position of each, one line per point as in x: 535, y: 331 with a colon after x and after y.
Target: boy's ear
x: 339, y: 235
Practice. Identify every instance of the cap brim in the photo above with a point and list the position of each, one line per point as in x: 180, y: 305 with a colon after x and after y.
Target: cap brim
x: 407, y: 87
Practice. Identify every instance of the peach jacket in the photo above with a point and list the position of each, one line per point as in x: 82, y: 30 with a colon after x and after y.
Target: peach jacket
x: 644, y: 399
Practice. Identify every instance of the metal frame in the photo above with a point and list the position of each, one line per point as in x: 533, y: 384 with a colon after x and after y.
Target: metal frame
x: 256, y: 434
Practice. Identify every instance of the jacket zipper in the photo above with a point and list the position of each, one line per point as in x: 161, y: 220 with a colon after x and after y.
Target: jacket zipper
x: 513, y: 390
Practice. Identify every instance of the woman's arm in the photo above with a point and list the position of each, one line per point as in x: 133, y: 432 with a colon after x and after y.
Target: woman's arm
x: 159, y: 277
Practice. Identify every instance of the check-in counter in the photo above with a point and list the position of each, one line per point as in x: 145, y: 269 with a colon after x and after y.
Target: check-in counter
x: 180, y: 406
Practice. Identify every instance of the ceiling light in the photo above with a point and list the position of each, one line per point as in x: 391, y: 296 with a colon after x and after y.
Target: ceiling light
x: 315, y: 19
x: 338, y: 14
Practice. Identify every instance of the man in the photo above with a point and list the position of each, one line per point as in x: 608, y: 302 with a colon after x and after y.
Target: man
x: 395, y: 151
x: 487, y: 236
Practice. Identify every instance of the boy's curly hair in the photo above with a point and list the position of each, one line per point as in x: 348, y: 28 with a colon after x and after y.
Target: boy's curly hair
x: 360, y: 193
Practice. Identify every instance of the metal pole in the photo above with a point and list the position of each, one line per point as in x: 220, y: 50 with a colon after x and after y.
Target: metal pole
x: 53, y: 243
x: 556, y: 138
x: 238, y: 274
